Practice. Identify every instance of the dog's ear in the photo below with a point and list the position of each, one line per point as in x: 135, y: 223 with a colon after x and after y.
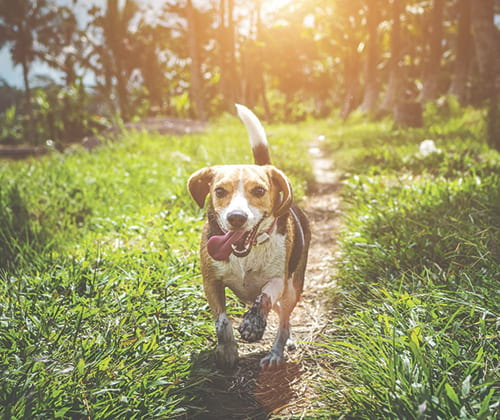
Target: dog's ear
x: 199, y: 185
x: 280, y: 179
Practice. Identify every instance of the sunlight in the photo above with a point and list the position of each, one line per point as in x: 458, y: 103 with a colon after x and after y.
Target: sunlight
x: 271, y: 6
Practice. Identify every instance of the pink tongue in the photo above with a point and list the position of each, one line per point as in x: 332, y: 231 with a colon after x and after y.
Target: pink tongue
x: 219, y: 247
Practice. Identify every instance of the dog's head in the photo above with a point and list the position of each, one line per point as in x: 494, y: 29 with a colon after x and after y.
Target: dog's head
x: 245, y: 199
x: 241, y: 195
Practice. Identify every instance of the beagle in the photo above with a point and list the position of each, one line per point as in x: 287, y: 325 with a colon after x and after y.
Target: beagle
x: 255, y: 241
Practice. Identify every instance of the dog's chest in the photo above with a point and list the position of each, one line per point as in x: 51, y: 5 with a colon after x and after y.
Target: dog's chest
x: 248, y: 275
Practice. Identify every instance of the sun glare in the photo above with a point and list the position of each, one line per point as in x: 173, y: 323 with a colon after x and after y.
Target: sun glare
x: 270, y: 6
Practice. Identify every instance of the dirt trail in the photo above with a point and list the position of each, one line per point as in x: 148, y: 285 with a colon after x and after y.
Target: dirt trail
x: 249, y: 393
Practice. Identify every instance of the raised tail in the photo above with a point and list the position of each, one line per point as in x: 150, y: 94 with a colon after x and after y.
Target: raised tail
x: 257, y: 135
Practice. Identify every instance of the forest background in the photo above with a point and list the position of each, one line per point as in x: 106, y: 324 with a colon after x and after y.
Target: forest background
x: 118, y: 61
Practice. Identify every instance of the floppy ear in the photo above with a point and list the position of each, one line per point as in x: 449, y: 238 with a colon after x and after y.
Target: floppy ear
x: 199, y: 185
x: 280, y: 179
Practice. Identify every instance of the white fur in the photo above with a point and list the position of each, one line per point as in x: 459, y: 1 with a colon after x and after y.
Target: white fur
x: 240, y: 203
x: 254, y: 127
x: 248, y: 276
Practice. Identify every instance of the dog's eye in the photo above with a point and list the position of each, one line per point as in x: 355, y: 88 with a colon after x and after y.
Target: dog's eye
x: 220, y: 192
x: 258, y: 192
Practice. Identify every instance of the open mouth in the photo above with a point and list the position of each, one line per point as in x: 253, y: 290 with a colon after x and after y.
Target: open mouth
x: 237, y: 242
x: 242, y: 247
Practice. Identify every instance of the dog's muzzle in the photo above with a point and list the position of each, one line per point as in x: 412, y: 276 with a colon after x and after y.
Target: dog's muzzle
x: 237, y: 242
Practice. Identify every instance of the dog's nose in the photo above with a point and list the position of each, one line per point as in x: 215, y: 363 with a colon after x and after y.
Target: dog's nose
x: 237, y: 218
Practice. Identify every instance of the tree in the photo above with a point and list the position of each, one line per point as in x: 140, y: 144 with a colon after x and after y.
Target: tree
x: 229, y: 80
x: 61, y: 46
x: 348, y: 17
x: 430, y: 80
x: 395, y: 83
x: 196, y: 85
x: 371, y: 83
x: 252, y: 68
x: 485, y: 37
x: 463, y: 52
x: 115, y: 50
x: 20, y: 24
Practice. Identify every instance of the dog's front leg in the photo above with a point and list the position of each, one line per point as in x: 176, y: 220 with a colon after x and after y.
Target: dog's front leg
x: 254, y: 322
x: 275, y: 357
x: 226, y: 353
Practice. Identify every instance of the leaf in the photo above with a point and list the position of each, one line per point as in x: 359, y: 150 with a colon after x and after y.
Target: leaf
x: 81, y: 366
x: 62, y: 412
x: 485, y: 405
x: 452, y: 395
x: 466, y: 386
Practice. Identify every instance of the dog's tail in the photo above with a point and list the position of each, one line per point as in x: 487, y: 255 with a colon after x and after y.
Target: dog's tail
x: 257, y: 135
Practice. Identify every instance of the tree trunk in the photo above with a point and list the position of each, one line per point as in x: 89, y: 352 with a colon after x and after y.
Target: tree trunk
x: 395, y: 83
x: 485, y: 36
x: 196, y: 89
x: 483, y: 31
x: 463, y: 53
x: 252, y: 71
x: 228, y: 71
x: 351, y: 69
x: 430, y: 88
x: 27, y: 99
x: 121, y: 90
x: 371, y: 85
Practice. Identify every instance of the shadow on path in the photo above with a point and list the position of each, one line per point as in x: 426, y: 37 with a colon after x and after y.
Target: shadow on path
x: 246, y: 393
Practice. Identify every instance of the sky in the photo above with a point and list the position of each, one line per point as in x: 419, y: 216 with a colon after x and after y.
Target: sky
x: 13, y: 75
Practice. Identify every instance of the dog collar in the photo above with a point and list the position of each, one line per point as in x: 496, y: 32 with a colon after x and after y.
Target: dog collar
x: 264, y: 236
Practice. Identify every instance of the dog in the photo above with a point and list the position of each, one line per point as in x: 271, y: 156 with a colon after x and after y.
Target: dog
x: 255, y: 241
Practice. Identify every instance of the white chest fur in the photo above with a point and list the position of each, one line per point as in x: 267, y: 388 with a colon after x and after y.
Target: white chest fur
x: 248, y: 275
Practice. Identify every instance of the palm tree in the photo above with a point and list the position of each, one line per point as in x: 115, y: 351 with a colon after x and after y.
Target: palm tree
x: 115, y: 51
x: 20, y: 23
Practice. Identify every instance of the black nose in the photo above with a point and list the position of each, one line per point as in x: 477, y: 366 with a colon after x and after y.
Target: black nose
x: 237, y: 218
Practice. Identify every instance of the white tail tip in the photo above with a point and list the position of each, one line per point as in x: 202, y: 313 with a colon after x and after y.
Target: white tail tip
x: 254, y: 127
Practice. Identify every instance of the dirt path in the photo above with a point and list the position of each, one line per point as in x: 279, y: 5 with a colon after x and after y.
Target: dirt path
x: 249, y: 393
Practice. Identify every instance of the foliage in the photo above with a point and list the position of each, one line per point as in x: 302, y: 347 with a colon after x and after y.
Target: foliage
x: 60, y: 115
x: 300, y: 59
x: 101, y: 305
x: 418, y: 273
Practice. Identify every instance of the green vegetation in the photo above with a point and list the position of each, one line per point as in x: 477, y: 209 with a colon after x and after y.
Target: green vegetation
x: 101, y: 304
x: 419, y: 271
x: 102, y: 311
x: 116, y: 61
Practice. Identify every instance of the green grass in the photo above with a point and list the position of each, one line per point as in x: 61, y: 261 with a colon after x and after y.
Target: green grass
x: 101, y: 304
x: 418, y: 274
x: 102, y: 312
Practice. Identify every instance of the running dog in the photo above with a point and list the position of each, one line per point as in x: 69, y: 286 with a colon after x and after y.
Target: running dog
x: 255, y: 241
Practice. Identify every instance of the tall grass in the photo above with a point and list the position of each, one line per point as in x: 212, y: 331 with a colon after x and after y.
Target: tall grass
x: 418, y: 275
x: 101, y: 304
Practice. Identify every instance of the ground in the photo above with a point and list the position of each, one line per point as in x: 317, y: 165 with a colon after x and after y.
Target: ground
x: 249, y: 393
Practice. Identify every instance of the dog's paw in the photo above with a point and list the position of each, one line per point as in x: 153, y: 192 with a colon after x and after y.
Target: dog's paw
x: 254, y: 322
x: 226, y: 356
x: 272, y: 360
x: 291, y: 345
x: 253, y: 325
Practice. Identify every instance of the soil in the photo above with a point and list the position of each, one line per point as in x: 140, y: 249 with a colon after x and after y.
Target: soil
x: 291, y: 391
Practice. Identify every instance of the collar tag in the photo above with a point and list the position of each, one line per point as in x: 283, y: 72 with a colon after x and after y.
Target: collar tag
x: 263, y: 237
